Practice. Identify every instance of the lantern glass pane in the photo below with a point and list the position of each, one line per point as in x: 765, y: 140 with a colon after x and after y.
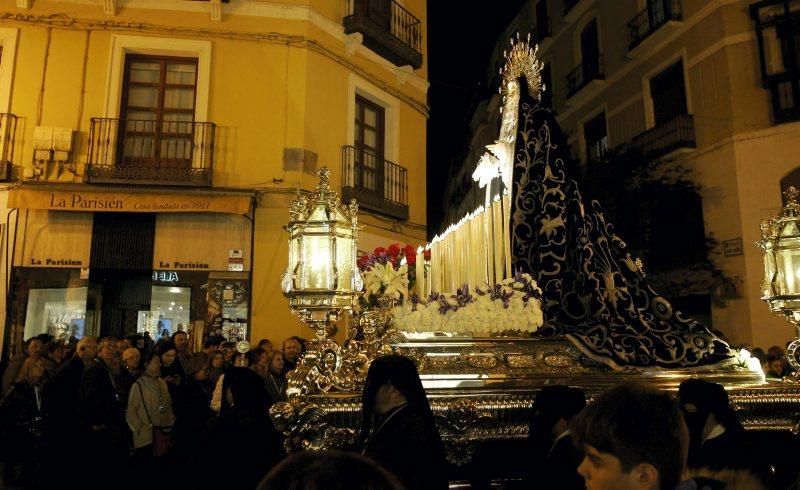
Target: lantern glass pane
x: 317, y: 267
x: 769, y: 273
x: 344, y: 262
x: 788, y: 265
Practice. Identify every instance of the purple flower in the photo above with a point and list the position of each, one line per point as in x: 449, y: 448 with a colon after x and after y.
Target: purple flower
x: 463, y: 297
x: 415, y: 300
x: 444, y: 305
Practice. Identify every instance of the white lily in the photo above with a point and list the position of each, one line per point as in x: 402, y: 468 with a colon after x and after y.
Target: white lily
x: 384, y: 279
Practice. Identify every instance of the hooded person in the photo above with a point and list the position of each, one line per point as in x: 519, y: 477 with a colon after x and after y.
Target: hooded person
x: 717, y: 439
x: 557, y: 458
x: 244, y: 432
x: 398, y: 429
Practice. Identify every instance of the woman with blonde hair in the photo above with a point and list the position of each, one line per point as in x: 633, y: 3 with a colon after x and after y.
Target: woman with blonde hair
x: 23, y: 425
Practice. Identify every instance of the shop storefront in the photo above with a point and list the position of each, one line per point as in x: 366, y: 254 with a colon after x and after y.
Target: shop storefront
x: 94, y: 262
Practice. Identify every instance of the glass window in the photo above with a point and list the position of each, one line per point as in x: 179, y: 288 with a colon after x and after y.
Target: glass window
x: 596, y: 136
x: 169, y: 311
x: 60, y: 312
x: 669, y: 94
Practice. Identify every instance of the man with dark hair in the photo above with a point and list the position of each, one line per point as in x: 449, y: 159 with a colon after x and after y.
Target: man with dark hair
x: 210, y: 346
x: 292, y: 348
x: 182, y: 347
x: 556, y: 457
x: 633, y: 437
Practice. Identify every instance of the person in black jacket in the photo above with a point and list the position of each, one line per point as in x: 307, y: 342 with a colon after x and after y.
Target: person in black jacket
x: 61, y: 406
x: 192, y: 408
x: 398, y: 429
x: 103, y: 413
x: 246, y: 444
x: 23, y: 424
x: 555, y: 457
x: 717, y: 438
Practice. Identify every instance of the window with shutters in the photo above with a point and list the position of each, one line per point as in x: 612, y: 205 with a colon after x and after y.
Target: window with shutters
x: 157, y: 111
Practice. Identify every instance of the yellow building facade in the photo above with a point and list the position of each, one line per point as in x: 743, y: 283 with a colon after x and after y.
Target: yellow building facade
x: 151, y: 151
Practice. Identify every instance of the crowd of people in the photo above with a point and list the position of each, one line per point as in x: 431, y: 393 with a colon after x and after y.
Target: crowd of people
x: 132, y: 406
x: 773, y: 361
x: 162, y: 416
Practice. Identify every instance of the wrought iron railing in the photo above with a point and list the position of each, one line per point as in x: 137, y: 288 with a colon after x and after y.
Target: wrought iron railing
x: 153, y: 152
x: 377, y: 184
x: 785, y: 91
x: 590, y: 69
x: 8, y: 133
x: 655, y: 14
x: 392, y: 18
x: 664, y: 138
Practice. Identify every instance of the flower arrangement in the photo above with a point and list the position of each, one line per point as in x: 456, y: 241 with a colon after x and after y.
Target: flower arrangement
x: 388, y: 271
x: 513, y: 305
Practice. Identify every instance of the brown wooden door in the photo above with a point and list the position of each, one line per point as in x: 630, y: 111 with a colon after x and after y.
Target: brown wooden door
x: 369, y: 143
x: 157, y: 115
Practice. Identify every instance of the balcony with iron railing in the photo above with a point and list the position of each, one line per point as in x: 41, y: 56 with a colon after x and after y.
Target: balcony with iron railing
x: 589, y: 70
x: 676, y: 134
x: 377, y: 184
x: 174, y: 153
x: 387, y: 28
x: 8, y: 134
x: 784, y: 89
x: 648, y: 22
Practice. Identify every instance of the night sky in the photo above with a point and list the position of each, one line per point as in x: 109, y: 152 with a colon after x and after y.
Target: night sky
x: 461, y: 38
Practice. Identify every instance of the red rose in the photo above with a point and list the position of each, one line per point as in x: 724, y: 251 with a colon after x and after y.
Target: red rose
x: 379, y: 251
x: 427, y: 254
x: 411, y: 259
x: 393, y: 250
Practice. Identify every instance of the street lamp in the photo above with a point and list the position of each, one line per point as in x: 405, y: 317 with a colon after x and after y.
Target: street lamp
x: 322, y: 279
x: 780, y: 241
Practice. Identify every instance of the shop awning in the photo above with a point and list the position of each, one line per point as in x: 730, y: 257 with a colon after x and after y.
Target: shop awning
x: 127, y: 201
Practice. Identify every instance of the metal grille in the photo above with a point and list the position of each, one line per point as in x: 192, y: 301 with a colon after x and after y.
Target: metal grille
x: 662, y: 139
x: 399, y: 22
x: 377, y: 184
x: 588, y: 70
x: 123, y: 241
x: 155, y: 152
x: 656, y: 14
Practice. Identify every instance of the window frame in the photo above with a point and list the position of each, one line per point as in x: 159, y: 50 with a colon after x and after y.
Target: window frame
x: 649, y: 111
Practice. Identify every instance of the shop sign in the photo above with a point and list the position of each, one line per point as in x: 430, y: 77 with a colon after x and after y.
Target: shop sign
x: 732, y: 247
x: 126, y: 202
x: 166, y: 276
x: 236, y: 260
x: 176, y: 264
x: 50, y: 262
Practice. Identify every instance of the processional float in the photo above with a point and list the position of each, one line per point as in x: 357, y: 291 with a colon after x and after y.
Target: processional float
x: 538, y: 289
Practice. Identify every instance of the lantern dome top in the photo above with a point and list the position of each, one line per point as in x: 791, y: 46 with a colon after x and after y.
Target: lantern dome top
x: 787, y: 223
x: 323, y: 205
